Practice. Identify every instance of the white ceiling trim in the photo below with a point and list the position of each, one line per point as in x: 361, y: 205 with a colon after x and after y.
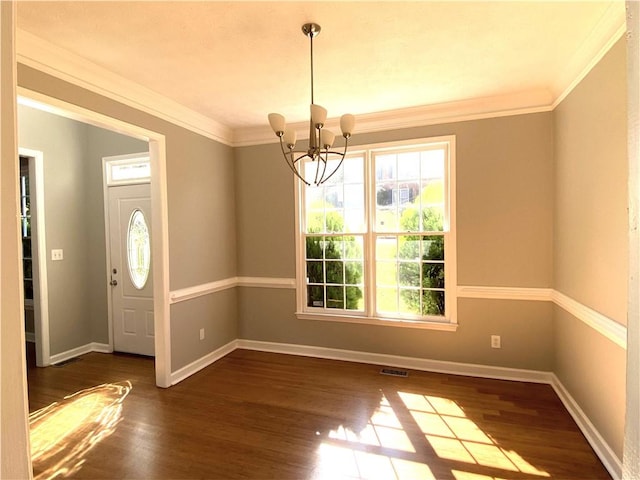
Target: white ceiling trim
x: 48, y: 58
x: 609, y: 30
x: 474, y: 109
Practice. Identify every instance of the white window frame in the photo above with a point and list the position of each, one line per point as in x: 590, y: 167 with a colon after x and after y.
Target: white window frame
x: 447, y: 323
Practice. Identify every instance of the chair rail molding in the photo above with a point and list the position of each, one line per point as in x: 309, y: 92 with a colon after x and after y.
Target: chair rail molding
x: 604, y: 325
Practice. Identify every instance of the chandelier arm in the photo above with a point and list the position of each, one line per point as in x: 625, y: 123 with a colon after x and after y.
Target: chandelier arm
x: 303, y: 152
x: 301, y: 157
x: 300, y: 176
x: 318, y: 159
x: 333, y: 152
x: 334, y: 171
x: 295, y: 167
x: 325, y: 160
x: 343, y: 154
x: 291, y: 163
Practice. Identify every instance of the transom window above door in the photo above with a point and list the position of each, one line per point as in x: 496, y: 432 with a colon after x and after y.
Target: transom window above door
x: 128, y: 169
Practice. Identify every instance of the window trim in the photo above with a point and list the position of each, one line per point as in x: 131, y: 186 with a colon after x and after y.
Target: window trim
x: 450, y: 321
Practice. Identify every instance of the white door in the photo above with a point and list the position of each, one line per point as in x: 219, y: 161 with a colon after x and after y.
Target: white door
x: 131, y: 273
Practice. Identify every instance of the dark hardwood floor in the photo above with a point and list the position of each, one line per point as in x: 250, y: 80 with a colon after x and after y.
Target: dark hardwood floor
x: 255, y: 415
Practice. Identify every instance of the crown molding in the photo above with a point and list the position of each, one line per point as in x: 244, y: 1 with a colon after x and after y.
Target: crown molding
x: 520, y: 103
x: 611, y: 27
x: 37, y: 53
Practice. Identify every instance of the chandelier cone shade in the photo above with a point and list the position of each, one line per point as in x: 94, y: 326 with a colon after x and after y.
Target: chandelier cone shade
x: 325, y: 161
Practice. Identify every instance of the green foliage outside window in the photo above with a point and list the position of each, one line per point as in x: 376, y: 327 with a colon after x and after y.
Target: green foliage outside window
x: 430, y: 262
x: 328, y: 263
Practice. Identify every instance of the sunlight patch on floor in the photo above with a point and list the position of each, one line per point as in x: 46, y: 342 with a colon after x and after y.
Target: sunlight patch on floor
x: 455, y: 437
x: 459, y: 475
x: 63, y: 433
x: 387, y: 447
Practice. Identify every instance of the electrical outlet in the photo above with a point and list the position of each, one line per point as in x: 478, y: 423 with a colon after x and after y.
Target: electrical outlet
x: 57, y: 254
x: 202, y: 334
x: 495, y: 341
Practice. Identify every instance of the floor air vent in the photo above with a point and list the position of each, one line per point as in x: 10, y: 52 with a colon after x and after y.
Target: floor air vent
x: 66, y: 362
x: 394, y: 372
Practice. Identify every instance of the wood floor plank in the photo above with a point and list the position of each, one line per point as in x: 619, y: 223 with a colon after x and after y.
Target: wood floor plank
x: 257, y: 415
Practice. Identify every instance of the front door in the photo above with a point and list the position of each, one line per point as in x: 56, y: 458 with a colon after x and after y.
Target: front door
x: 131, y: 272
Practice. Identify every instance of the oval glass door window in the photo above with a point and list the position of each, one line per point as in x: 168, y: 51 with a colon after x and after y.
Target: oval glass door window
x: 138, y: 249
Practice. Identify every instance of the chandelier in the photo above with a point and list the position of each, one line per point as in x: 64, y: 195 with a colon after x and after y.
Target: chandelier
x: 320, y: 139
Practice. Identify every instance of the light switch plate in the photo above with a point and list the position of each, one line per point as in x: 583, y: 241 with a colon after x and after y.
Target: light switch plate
x: 57, y: 254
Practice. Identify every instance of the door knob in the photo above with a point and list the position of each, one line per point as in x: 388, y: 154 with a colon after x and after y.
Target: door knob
x: 113, y: 283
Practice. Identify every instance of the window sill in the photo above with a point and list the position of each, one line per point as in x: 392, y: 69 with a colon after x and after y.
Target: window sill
x: 380, y: 321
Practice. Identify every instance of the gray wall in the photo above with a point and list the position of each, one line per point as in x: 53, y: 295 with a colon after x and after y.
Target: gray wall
x: 590, y: 240
x: 74, y: 215
x: 504, y: 233
x: 63, y: 144
x: 201, y: 211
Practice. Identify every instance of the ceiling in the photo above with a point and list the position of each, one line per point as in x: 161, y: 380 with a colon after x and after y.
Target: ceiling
x: 235, y: 62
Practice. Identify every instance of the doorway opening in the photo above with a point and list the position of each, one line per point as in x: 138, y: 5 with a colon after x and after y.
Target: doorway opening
x: 34, y: 265
x: 156, y: 221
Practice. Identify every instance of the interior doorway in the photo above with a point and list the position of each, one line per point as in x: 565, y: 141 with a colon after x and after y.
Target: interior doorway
x: 157, y: 220
x: 34, y: 265
x: 74, y: 238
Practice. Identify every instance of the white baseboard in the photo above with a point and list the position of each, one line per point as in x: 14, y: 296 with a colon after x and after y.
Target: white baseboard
x: 607, y: 456
x: 101, y: 347
x: 76, y: 352
x: 437, y: 366
x: 202, y: 362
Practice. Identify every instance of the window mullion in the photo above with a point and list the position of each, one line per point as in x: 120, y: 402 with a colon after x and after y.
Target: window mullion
x: 370, y: 238
x: 300, y: 245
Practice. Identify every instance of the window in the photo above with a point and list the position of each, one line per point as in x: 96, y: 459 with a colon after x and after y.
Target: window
x: 138, y: 249
x: 376, y: 242
x: 128, y: 169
